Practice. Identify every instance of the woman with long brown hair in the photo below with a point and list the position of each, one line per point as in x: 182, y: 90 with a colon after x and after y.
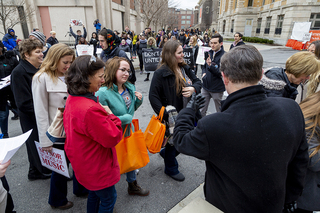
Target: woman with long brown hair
x: 172, y: 84
x: 309, y: 200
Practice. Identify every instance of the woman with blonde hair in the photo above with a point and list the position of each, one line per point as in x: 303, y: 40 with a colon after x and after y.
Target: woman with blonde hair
x: 193, y: 43
x: 173, y: 83
x: 314, y: 81
x: 309, y: 200
x: 279, y: 82
x: 123, y: 100
x: 49, y: 93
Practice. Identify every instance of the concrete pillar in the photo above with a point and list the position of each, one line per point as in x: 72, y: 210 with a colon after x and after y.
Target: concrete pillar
x: 126, y: 16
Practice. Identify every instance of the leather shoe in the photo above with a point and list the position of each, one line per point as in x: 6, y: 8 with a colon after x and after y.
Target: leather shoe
x: 178, y: 177
x: 64, y: 207
x: 40, y: 176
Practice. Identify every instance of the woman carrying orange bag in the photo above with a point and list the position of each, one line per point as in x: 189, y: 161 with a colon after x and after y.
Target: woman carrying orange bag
x: 172, y: 84
x: 120, y: 96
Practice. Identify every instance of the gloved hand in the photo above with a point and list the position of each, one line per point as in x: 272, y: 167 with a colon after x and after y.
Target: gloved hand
x: 196, y: 102
x: 290, y: 207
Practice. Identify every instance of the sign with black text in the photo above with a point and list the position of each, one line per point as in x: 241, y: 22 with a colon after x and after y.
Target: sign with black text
x: 151, y: 58
x: 188, y: 57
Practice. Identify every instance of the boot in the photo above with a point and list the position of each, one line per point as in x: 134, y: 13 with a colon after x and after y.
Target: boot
x: 135, y: 189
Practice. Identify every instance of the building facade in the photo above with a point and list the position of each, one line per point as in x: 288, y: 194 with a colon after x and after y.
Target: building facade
x: 271, y: 19
x: 55, y: 15
x: 185, y: 18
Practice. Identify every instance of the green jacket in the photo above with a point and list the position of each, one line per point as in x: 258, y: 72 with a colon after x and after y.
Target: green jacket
x: 112, y: 99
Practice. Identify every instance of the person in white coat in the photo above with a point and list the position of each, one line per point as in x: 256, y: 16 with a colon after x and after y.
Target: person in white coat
x: 49, y: 93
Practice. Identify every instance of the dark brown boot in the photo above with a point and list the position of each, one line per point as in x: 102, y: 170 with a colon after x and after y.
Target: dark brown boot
x: 135, y: 189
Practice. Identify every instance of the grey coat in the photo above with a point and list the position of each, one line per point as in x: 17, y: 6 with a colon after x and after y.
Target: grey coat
x: 310, y: 198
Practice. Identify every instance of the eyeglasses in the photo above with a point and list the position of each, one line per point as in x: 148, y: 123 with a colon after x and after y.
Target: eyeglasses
x: 124, y: 70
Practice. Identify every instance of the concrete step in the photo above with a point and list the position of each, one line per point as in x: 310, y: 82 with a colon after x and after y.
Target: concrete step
x: 194, y: 202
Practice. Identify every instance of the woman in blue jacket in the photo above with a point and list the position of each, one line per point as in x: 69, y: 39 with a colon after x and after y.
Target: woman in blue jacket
x: 122, y: 99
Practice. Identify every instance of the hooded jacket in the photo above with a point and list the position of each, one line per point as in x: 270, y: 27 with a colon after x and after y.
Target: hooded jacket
x: 9, y: 41
x: 277, y: 84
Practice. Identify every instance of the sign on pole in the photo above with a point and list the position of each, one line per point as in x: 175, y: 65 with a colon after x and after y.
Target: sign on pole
x: 55, y: 161
x: 151, y: 58
x: 200, y: 57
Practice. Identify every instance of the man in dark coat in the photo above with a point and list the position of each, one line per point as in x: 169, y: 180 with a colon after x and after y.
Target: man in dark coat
x: 255, y: 150
x: 52, y: 40
x: 237, y: 40
x: 109, y: 43
x: 211, y: 77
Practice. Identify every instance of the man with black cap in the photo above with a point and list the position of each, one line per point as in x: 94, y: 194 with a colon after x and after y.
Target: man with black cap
x: 9, y: 39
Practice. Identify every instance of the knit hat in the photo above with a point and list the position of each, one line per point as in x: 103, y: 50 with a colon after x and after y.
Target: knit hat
x: 40, y: 36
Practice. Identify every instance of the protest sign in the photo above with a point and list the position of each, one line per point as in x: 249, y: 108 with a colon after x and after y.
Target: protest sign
x: 76, y: 22
x: 188, y: 57
x: 200, y: 57
x: 315, y: 35
x: 55, y: 161
x: 4, y: 82
x: 83, y: 49
x: 128, y: 55
x: 151, y: 58
x: 9, y: 146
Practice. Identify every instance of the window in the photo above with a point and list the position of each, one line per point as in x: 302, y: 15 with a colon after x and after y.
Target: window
x: 268, y: 23
x: 250, y: 3
x: 188, y: 17
x: 315, y: 21
x: 232, y: 26
x: 263, y: 2
x: 259, y: 25
x: 235, y: 4
x: 183, y: 17
x: 183, y: 22
x: 187, y: 22
x: 279, y: 25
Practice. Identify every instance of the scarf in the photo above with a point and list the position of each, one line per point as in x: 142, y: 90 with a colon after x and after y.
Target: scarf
x: 112, y: 40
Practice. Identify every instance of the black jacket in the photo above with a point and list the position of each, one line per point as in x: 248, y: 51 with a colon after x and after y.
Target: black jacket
x: 212, y: 81
x: 140, y: 46
x: 277, y: 84
x: 238, y: 44
x: 52, y: 40
x: 255, y: 151
x: 163, y: 90
x: 8, y: 61
x: 182, y: 39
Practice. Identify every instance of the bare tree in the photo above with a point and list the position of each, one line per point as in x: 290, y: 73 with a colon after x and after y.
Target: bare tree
x: 150, y: 10
x: 13, y: 12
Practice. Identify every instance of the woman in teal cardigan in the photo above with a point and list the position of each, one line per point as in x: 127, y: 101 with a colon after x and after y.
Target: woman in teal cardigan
x: 122, y: 99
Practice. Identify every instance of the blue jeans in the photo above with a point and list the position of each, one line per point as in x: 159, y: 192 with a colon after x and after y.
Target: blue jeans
x: 131, y: 176
x: 169, y: 154
x: 4, y: 121
x: 102, y: 201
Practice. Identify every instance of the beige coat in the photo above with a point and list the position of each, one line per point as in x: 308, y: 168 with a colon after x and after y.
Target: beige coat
x: 47, y: 97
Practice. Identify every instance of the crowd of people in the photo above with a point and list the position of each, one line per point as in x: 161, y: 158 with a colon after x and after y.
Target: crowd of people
x: 271, y: 151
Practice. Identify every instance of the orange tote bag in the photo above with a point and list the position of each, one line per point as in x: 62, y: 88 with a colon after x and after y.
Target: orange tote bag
x: 132, y: 152
x: 154, y: 133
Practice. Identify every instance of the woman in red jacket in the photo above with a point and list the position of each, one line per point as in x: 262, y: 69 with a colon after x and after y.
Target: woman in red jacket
x: 92, y: 134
